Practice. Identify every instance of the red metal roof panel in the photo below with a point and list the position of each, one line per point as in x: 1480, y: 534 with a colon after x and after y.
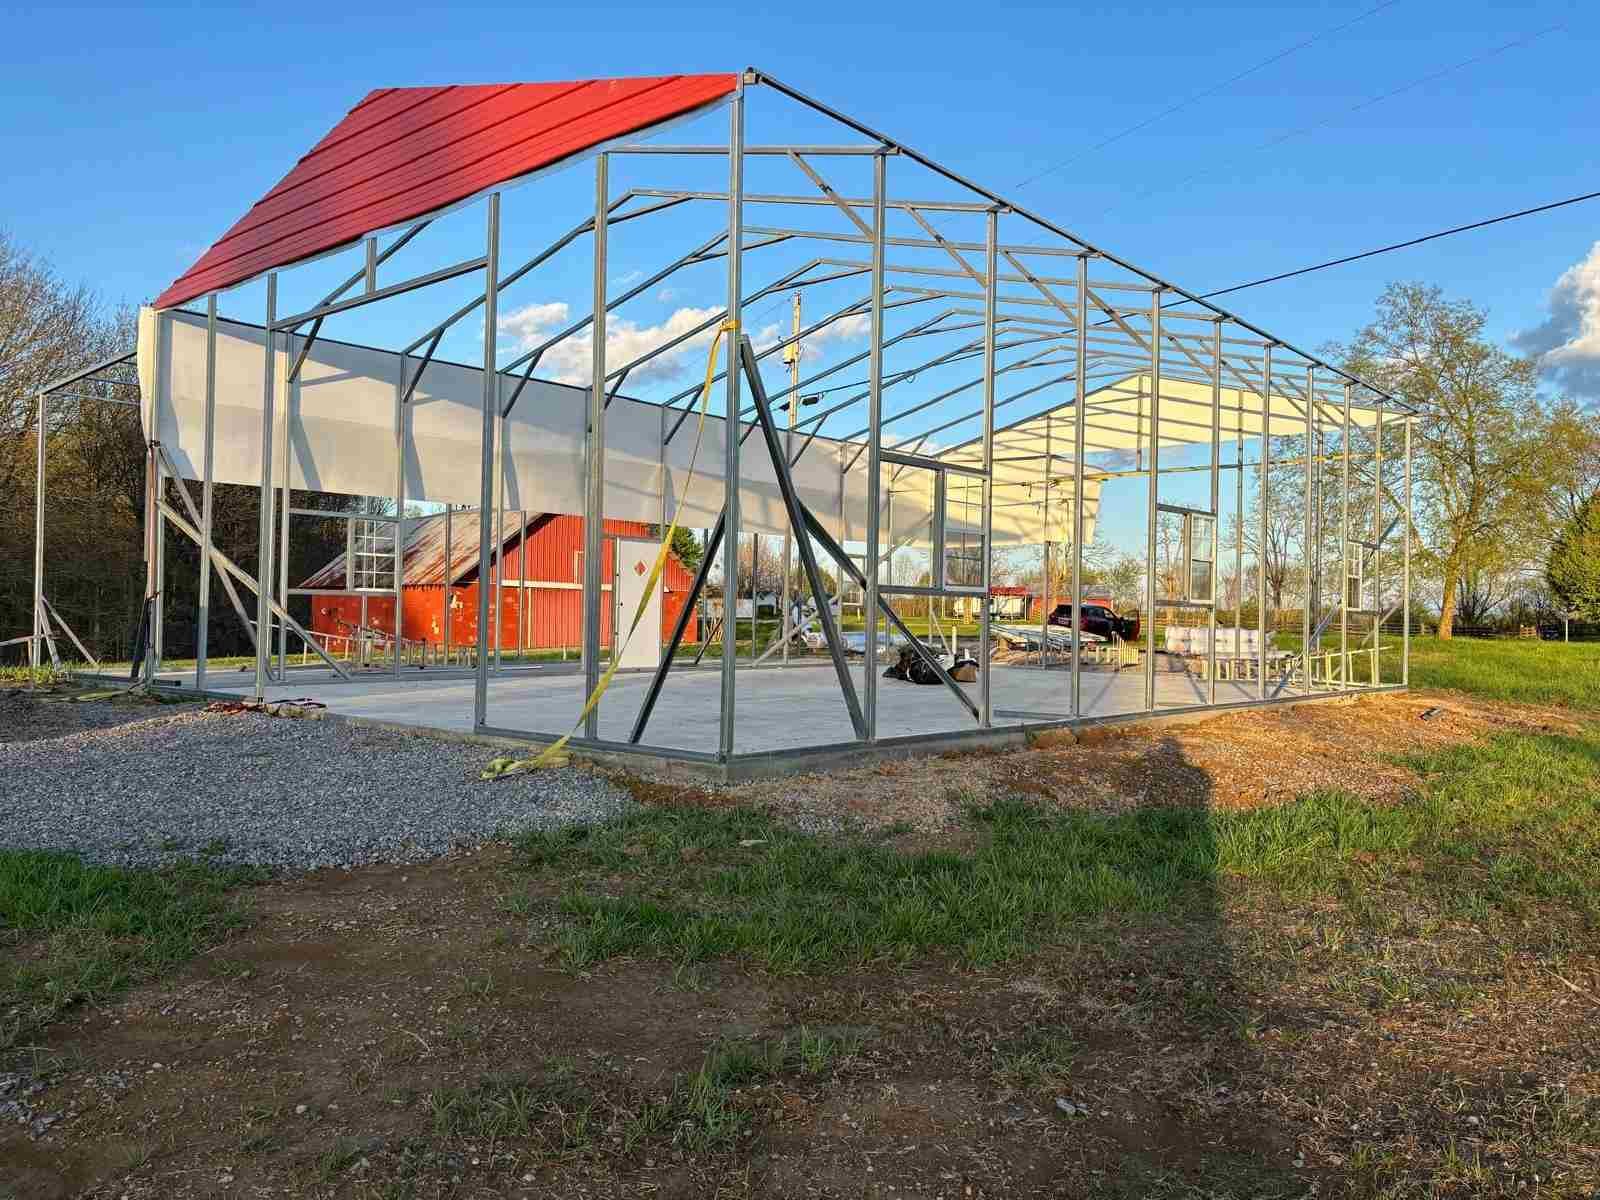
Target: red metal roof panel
x: 404, y: 152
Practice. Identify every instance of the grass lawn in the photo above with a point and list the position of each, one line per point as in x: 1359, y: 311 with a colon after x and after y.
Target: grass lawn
x: 1498, y: 829
x: 74, y: 933
x: 1521, y: 671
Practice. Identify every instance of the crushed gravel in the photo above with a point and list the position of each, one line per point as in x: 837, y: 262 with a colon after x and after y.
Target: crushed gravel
x: 268, y: 791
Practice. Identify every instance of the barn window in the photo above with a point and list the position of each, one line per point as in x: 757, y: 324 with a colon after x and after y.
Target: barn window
x: 371, y: 555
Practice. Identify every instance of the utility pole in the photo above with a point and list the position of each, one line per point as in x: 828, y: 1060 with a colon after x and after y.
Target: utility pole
x: 791, y: 355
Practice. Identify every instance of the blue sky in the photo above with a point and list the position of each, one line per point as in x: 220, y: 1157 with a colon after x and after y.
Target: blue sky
x: 135, y: 135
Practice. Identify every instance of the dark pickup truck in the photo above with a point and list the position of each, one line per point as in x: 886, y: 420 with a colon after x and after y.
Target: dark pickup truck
x: 1098, y: 620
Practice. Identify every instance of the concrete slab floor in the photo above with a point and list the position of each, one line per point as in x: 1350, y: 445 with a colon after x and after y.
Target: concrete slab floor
x: 776, y: 708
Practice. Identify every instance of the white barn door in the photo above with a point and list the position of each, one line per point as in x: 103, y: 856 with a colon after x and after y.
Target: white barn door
x: 635, y: 556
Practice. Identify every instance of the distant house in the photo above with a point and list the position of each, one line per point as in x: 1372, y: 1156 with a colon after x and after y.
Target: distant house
x: 539, y: 559
x: 1006, y: 603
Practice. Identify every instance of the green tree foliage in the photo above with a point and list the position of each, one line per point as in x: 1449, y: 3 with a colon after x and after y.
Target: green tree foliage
x: 95, y: 484
x: 1479, y: 438
x: 1573, y: 569
x: 686, y: 547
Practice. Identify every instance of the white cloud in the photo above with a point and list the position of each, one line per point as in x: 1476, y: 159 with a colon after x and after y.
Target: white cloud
x: 845, y: 329
x: 1567, y: 343
x: 527, y: 327
x: 667, y: 295
x: 569, y: 361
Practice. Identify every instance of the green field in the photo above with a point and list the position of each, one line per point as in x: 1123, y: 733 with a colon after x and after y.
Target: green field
x: 1521, y: 671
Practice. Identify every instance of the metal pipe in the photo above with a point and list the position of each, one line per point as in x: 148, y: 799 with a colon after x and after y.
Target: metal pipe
x: 268, y: 434
x: 1044, y: 606
x: 1216, y: 506
x: 1377, y: 529
x: 1153, y: 514
x: 1313, y: 585
x: 499, y: 568
x: 290, y: 391
x: 36, y: 644
x: 730, y: 429
x: 1238, y: 541
x: 1405, y: 569
x: 155, y: 550
x: 1079, y: 430
x: 523, y: 629
x: 207, y: 486
x: 449, y: 577
x: 649, y: 148
x: 595, y: 451
x: 486, y: 446
x: 365, y: 298
x: 869, y: 612
x: 398, y: 530
x: 1261, y: 537
x: 1344, y: 549
x: 990, y: 287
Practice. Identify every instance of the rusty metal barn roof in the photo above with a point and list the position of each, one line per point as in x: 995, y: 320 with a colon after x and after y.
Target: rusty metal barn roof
x: 425, y: 545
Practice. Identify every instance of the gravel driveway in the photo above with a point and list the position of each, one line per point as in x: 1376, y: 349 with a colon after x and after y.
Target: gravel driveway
x: 269, y: 791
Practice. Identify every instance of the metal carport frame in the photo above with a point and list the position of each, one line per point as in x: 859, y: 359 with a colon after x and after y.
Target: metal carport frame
x: 1146, y: 365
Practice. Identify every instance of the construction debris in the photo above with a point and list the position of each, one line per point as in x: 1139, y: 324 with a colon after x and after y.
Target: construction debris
x: 303, y: 707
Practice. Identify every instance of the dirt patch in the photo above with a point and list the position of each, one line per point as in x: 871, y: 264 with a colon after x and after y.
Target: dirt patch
x: 1236, y: 760
x: 404, y: 1032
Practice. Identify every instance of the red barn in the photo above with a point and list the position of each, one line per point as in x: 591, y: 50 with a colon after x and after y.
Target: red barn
x: 540, y: 566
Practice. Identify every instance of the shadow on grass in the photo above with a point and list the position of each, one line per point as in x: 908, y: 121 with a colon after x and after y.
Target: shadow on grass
x: 692, y: 885
x: 1223, y: 956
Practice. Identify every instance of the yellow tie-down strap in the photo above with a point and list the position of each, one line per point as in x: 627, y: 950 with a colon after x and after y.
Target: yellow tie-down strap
x: 555, y: 754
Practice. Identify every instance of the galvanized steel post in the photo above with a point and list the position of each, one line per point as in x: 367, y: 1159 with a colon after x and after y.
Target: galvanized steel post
x: 1261, y: 533
x: 1216, y: 504
x: 991, y: 277
x: 490, y: 401
x: 730, y: 427
x: 291, y: 386
x: 1044, y: 559
x: 1405, y: 568
x: 1344, y: 550
x: 264, y: 555
x: 1152, y: 513
x: 1313, y: 579
x: 1079, y: 431
x: 595, y: 456
x: 36, y: 646
x: 869, y: 610
x: 207, y: 488
x: 400, y: 411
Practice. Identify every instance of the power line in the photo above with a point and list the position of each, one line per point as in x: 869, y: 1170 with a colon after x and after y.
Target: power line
x: 1201, y: 95
x: 1417, y: 241
x: 1354, y: 108
x: 1332, y: 262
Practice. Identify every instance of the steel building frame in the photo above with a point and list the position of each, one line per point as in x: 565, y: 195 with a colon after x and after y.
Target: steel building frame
x: 1035, y: 306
